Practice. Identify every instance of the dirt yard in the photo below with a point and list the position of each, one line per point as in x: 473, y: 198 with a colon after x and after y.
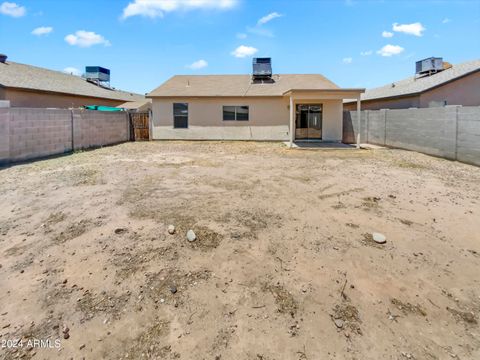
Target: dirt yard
x: 284, y: 265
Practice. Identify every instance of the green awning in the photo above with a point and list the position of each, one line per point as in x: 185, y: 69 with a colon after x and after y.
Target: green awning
x: 102, y: 108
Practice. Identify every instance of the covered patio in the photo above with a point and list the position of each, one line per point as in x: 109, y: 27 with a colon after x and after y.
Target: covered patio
x: 317, y: 115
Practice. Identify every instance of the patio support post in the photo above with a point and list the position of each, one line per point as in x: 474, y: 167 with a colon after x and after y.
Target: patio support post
x: 359, y: 122
x: 292, y: 122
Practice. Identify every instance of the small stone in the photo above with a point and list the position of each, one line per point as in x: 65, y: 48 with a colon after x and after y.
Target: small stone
x: 171, y: 229
x: 82, y: 346
x: 162, y: 300
x: 65, y: 330
x: 338, y: 323
x: 173, y: 289
x: 120, y: 231
x: 66, y: 336
x: 191, y: 236
x: 379, y: 238
x: 64, y: 281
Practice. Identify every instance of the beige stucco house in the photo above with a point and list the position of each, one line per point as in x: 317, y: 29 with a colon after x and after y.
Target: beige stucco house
x: 457, y: 84
x: 280, y: 107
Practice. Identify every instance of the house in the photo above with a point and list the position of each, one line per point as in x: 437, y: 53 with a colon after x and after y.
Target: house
x: 30, y: 86
x: 430, y: 87
x: 261, y: 106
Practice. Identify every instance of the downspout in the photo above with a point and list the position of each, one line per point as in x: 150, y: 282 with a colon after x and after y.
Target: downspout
x: 359, y: 122
x: 292, y: 130
x: 72, y: 132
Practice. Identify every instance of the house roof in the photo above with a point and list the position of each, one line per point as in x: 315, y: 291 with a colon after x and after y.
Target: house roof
x: 136, y: 104
x: 238, y: 85
x: 30, y: 77
x: 413, y: 86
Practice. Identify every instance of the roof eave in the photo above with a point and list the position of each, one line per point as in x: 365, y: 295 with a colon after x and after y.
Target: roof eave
x: 339, y: 90
x: 67, y: 93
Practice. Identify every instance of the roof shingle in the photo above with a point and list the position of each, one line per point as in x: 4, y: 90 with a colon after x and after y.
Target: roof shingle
x: 238, y: 85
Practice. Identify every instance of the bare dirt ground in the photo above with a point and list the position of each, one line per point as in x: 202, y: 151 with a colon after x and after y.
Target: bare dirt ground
x: 284, y: 266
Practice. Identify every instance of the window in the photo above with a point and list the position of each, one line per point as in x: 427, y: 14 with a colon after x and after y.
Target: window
x: 238, y: 113
x: 180, y: 115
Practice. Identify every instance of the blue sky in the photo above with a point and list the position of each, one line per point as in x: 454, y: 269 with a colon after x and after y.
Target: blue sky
x: 354, y: 43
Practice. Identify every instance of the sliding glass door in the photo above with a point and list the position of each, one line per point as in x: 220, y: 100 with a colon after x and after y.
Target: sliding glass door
x: 308, y: 122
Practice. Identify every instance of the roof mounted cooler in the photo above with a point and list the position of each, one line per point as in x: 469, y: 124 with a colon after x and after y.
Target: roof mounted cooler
x: 429, y: 66
x: 262, y: 69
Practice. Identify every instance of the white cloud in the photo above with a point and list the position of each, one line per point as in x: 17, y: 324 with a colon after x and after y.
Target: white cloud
x: 42, y: 30
x: 12, y: 9
x: 157, y: 8
x: 366, y: 53
x: 389, y: 50
x: 72, y: 71
x: 347, y: 60
x: 268, y: 18
x: 416, y: 29
x: 199, y: 64
x: 241, y: 36
x: 84, y: 38
x: 244, y: 51
x: 387, y: 34
x: 446, y: 21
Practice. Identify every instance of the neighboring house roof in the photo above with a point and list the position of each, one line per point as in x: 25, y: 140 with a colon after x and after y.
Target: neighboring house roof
x: 29, y: 77
x: 138, y: 105
x: 415, y: 86
x: 239, y: 85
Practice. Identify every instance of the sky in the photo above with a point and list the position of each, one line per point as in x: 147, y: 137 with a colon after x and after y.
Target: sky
x: 355, y: 43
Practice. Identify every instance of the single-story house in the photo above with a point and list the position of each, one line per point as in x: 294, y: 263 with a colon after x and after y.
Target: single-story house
x: 281, y: 107
x: 450, y: 85
x: 34, y: 87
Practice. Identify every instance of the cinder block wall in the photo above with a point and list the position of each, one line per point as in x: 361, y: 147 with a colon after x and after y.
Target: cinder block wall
x: 28, y: 133
x: 451, y: 132
x: 96, y: 128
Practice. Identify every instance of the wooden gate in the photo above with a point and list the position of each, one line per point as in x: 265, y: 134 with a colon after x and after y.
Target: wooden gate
x: 140, y: 126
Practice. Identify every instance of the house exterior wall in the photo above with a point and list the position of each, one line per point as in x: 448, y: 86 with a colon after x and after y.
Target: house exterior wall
x: 269, y: 119
x: 37, y: 99
x: 464, y: 91
x: 396, y: 103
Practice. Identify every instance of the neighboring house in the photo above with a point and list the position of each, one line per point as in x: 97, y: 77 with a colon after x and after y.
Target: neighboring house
x: 34, y: 87
x: 455, y: 85
x: 261, y: 106
x: 144, y: 105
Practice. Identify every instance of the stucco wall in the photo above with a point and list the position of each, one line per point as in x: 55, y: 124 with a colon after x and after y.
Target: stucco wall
x: 398, y: 103
x: 35, y: 99
x: 464, y: 91
x: 269, y: 119
x: 28, y: 133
